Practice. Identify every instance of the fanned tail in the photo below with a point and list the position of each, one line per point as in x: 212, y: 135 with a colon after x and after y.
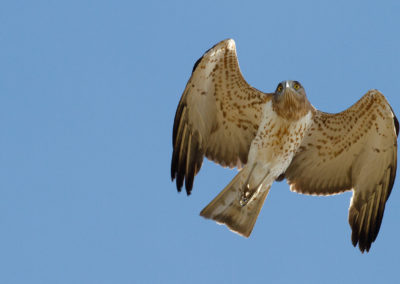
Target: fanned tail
x: 226, y: 209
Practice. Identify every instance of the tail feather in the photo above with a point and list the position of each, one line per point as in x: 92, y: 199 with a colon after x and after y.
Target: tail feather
x: 226, y: 209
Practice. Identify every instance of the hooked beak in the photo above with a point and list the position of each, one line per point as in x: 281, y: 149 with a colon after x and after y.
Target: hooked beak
x: 288, y: 90
x: 289, y: 95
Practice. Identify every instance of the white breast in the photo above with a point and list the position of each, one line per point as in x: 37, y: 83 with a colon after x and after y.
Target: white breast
x: 277, y: 141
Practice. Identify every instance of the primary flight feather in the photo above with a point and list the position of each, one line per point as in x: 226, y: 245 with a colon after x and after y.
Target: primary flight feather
x: 272, y: 136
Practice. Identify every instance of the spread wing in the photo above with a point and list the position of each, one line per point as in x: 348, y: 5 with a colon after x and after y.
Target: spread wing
x: 217, y: 116
x: 355, y: 149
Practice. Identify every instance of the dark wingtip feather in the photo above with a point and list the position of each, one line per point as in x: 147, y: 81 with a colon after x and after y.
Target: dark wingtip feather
x: 186, y: 159
x: 179, y: 181
x: 173, y: 165
x: 196, y: 64
x: 354, y: 239
x: 362, y: 238
x: 189, y: 182
x: 281, y: 177
x: 181, y: 169
x: 396, y: 122
x: 363, y: 245
x: 172, y: 170
x: 199, y: 60
x: 177, y: 120
x: 176, y: 172
x: 359, y: 235
x: 396, y: 125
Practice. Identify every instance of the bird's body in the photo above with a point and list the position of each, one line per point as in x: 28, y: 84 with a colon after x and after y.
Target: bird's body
x: 277, y: 140
x: 281, y: 135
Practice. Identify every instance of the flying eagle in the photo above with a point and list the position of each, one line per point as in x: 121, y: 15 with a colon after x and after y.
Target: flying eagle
x: 280, y: 135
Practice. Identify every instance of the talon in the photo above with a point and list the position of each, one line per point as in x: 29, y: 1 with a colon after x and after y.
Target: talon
x: 243, y: 201
x: 247, y: 193
x: 246, y: 196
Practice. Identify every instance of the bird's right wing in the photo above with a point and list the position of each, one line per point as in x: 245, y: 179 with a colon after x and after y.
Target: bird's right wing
x: 217, y: 117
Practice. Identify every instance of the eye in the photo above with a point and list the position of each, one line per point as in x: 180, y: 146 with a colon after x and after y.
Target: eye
x: 296, y: 86
x: 279, y: 88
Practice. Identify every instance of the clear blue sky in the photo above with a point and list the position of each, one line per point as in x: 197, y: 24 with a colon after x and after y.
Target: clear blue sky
x: 88, y: 93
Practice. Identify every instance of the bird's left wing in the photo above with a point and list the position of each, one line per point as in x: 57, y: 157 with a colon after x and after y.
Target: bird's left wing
x: 355, y: 149
x: 217, y: 116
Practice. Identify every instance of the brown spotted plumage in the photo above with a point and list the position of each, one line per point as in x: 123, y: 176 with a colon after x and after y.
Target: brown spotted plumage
x: 352, y: 150
x: 218, y: 114
x: 281, y: 135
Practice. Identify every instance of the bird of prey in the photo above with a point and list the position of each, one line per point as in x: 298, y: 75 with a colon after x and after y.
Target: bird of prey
x: 280, y: 135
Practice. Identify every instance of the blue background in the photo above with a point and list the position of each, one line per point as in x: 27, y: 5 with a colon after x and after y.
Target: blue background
x: 88, y: 93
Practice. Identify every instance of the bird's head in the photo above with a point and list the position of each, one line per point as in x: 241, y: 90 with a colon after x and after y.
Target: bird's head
x: 290, y: 99
x: 289, y: 89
